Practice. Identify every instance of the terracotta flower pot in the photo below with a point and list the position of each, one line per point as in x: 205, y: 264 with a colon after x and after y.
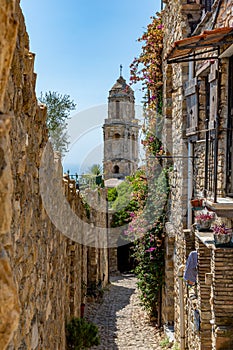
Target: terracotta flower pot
x: 197, y: 202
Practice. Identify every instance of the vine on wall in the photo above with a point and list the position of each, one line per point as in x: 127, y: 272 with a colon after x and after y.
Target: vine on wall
x: 148, y: 223
x: 147, y: 68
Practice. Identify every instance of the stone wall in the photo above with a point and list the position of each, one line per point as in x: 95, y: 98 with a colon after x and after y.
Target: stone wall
x: 41, y: 268
x: 211, y: 297
x: 176, y: 27
x: 177, y: 18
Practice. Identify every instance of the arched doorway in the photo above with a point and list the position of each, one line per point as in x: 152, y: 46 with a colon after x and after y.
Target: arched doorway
x: 116, y: 169
x: 125, y: 260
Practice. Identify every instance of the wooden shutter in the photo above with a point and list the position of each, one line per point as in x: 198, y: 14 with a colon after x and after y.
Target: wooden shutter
x: 208, y: 4
x: 191, y: 94
x: 213, y: 80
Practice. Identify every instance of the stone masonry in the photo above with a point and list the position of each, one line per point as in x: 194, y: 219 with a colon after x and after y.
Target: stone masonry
x: 120, y: 131
x: 41, y: 270
x: 185, y: 136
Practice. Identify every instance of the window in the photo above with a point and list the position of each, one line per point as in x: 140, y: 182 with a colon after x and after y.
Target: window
x: 116, y: 136
x: 213, y: 80
x: 134, y: 146
x: 116, y: 169
x: 117, y: 109
x: 207, y: 4
x: 191, y: 94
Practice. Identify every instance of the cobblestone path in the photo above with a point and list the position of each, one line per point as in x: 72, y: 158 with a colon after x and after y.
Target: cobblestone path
x: 122, y: 322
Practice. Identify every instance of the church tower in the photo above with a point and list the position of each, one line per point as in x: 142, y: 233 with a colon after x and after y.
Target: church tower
x: 120, y: 132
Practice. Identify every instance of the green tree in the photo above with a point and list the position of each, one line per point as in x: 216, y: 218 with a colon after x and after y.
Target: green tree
x: 112, y: 195
x: 59, y: 138
x: 95, y: 169
x: 58, y: 110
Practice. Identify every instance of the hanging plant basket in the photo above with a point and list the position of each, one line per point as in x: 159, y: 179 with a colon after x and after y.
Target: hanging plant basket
x: 204, y: 225
x: 223, y: 240
x: 222, y: 235
x: 204, y: 220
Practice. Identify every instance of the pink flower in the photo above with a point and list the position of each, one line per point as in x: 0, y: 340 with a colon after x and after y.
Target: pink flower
x: 150, y: 249
x: 221, y: 229
x: 205, y: 216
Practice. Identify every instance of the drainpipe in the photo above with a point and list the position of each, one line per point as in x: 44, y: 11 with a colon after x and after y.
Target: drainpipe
x: 180, y: 274
x: 207, y: 113
x: 190, y: 182
x: 217, y: 124
x: 190, y: 161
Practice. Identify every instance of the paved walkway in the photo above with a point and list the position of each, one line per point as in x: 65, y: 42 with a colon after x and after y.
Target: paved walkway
x: 122, y: 322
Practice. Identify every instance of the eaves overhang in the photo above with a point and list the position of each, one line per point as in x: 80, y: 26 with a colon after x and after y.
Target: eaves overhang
x: 201, y: 47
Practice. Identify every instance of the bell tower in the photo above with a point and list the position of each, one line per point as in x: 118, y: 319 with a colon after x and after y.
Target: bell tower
x: 120, y: 132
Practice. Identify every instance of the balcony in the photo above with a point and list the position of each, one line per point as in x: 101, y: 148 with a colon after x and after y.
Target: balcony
x: 223, y: 207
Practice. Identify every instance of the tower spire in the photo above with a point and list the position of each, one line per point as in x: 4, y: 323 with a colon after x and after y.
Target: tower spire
x: 121, y: 67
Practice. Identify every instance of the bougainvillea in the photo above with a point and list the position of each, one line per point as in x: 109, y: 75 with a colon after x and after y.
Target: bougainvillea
x: 131, y: 195
x: 147, y: 230
x: 146, y: 213
x: 147, y: 225
x: 147, y: 68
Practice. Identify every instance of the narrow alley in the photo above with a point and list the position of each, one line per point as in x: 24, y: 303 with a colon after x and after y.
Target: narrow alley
x: 122, y: 322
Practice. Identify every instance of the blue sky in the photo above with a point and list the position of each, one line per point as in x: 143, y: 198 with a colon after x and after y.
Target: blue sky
x: 80, y: 45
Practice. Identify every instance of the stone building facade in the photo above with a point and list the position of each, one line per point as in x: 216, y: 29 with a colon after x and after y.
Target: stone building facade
x: 120, y: 133
x: 198, y: 99
x: 41, y: 269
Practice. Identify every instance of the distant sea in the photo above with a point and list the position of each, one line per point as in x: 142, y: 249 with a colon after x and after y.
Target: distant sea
x: 73, y: 168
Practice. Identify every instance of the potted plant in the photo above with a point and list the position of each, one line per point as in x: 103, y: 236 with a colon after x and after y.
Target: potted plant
x: 197, y: 202
x: 222, y: 235
x: 204, y: 220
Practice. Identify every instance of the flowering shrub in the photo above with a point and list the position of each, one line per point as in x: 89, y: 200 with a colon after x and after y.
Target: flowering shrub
x: 147, y: 208
x: 147, y: 68
x: 147, y: 225
x: 204, y: 216
x: 153, y: 144
x: 131, y: 195
x: 147, y: 230
x: 221, y: 229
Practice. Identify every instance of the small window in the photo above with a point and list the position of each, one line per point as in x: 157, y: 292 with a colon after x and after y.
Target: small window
x: 117, y: 109
x: 116, y: 136
x: 116, y: 169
